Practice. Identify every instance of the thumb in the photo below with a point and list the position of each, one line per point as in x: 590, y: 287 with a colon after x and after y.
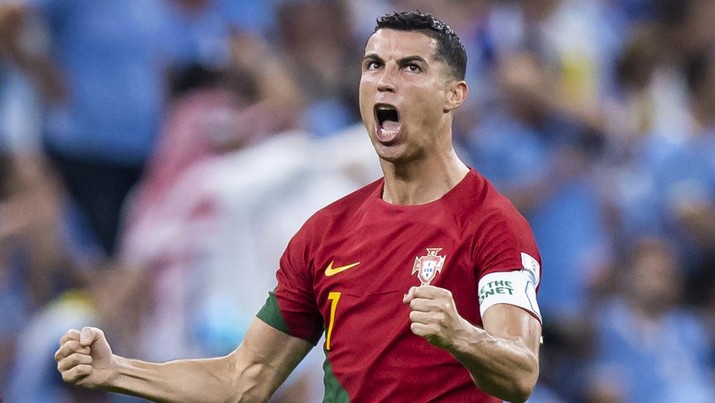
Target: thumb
x: 89, y: 334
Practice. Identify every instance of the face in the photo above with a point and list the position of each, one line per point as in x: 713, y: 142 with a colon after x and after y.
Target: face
x: 655, y: 279
x: 406, y: 96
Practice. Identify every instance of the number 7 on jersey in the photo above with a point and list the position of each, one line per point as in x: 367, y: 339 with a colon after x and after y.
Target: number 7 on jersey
x: 333, y: 297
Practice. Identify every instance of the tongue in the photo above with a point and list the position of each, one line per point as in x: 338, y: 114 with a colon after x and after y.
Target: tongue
x: 390, y: 125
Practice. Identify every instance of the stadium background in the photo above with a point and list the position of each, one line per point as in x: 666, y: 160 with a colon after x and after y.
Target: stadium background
x: 596, y: 118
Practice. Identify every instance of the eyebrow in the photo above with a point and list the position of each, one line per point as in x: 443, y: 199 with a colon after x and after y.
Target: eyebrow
x: 401, y: 62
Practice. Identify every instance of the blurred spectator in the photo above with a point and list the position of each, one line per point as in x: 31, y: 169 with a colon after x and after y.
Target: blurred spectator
x: 37, y: 259
x: 693, y: 194
x: 638, y: 101
x: 214, y: 116
x: 324, y: 59
x: 213, y: 111
x: 119, y: 58
x: 189, y: 227
x: 104, y: 299
x: 665, y: 184
x: 201, y: 32
x: 543, y: 161
x: 649, y: 348
x: 101, y: 75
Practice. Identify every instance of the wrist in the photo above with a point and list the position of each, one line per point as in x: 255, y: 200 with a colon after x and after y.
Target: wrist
x: 118, y: 367
x: 465, y: 339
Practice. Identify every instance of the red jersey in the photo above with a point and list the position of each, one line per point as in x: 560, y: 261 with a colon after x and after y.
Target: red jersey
x: 347, y: 269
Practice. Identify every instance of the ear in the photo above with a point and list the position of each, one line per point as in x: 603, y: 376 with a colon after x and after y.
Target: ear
x: 457, y: 93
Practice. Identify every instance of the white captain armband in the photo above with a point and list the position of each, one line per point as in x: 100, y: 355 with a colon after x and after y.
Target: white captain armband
x: 516, y: 288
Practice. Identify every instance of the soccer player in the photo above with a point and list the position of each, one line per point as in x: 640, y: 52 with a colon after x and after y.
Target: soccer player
x: 423, y: 282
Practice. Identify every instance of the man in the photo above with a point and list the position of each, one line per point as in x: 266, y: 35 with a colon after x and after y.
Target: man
x: 413, y: 278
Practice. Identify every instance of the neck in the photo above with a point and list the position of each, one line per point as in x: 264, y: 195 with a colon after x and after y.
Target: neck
x: 423, y: 181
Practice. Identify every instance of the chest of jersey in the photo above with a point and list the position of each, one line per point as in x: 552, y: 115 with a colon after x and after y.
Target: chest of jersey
x: 360, y: 278
x: 347, y: 271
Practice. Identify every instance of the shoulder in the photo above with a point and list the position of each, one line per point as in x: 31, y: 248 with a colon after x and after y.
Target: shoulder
x: 502, y: 237
x: 486, y: 205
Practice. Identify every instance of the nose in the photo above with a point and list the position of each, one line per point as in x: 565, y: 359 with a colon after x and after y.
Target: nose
x: 386, y: 82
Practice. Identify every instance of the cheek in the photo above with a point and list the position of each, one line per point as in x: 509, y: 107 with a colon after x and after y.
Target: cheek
x: 429, y: 105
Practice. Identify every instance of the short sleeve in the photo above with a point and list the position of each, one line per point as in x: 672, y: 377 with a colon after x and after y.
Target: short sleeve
x: 292, y: 307
x: 508, y: 262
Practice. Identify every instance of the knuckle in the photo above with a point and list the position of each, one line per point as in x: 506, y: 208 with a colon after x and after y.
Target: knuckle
x: 84, y: 369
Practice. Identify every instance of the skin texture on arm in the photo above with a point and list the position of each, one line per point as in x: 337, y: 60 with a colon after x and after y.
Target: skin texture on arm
x: 251, y: 373
x: 502, y: 357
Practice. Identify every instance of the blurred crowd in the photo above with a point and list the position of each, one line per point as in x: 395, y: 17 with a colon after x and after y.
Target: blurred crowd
x: 157, y: 155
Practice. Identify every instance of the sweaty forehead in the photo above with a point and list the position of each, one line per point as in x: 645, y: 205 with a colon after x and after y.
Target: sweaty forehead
x: 390, y: 43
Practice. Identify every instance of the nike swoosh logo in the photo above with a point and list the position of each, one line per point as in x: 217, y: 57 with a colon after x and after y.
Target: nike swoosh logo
x: 331, y: 271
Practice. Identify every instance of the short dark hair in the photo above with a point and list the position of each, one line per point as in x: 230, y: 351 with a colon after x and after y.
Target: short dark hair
x: 449, y: 46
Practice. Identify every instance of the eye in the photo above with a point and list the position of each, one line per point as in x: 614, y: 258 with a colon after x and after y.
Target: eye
x: 371, y: 65
x: 413, y: 68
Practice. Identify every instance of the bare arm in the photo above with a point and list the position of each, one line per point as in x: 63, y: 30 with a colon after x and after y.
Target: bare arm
x: 37, y: 66
x: 252, y: 372
x: 502, y: 357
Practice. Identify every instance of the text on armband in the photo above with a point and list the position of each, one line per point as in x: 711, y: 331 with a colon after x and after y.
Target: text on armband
x: 495, y: 287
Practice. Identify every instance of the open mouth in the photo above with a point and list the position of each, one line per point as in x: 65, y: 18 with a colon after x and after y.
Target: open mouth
x: 388, y: 121
x: 386, y: 113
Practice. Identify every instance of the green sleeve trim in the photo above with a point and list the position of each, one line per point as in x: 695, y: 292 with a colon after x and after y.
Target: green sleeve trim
x: 334, y: 392
x: 271, y: 314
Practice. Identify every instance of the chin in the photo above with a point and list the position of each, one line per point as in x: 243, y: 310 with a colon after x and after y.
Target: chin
x: 392, y: 154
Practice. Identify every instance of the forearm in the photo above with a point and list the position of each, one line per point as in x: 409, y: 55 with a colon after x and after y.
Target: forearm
x: 251, y: 373
x: 502, y: 356
x: 204, y: 380
x: 501, y: 367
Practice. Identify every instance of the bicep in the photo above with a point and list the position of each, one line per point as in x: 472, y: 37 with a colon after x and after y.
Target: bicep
x: 512, y: 323
x: 267, y: 356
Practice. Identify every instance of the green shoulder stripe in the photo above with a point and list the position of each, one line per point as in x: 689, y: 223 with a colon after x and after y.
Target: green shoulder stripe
x: 271, y: 314
x: 334, y: 392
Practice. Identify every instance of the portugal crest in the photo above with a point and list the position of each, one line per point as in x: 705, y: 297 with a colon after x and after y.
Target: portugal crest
x: 428, y: 266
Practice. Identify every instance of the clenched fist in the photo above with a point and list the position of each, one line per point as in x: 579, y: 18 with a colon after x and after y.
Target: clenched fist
x: 85, y: 358
x: 434, y: 315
